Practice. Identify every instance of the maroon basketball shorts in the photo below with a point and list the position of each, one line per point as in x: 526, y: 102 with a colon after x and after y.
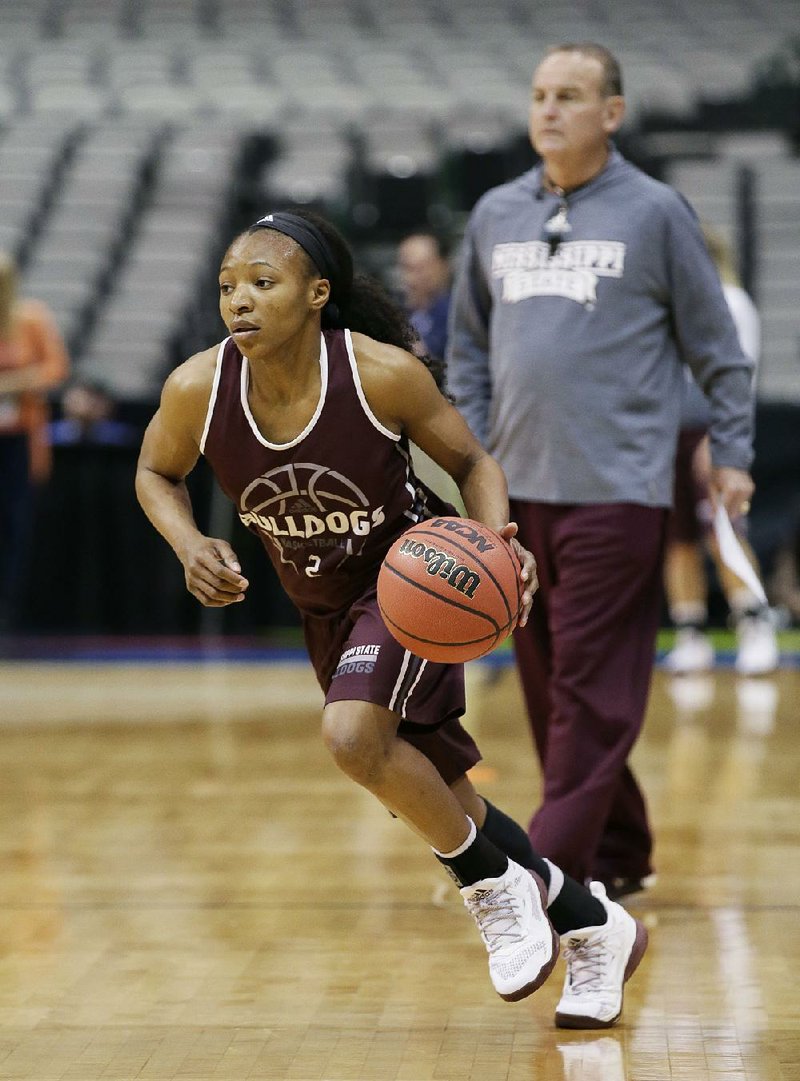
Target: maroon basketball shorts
x: 357, y: 660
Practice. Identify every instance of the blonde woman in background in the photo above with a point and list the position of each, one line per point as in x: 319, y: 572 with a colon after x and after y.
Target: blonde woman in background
x: 690, y: 534
x: 33, y: 360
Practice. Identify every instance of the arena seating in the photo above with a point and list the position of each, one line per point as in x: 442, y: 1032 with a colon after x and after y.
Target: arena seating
x: 125, y: 125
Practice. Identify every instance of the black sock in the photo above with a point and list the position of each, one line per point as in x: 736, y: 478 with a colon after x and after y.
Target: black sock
x: 512, y: 839
x: 481, y: 859
x: 575, y: 907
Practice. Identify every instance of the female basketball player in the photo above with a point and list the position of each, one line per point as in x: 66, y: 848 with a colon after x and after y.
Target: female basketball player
x: 304, y: 413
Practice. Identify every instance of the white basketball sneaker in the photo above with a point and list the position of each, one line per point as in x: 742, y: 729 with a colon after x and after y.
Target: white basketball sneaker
x: 692, y: 652
x: 757, y: 652
x: 600, y: 960
x: 511, y: 914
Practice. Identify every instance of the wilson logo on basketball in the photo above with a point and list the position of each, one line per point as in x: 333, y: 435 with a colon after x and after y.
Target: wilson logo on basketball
x: 440, y: 564
x: 428, y: 589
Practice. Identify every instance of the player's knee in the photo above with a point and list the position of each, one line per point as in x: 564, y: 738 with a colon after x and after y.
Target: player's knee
x: 356, y: 747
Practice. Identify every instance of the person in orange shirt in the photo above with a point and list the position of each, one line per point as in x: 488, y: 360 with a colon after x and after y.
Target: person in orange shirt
x: 33, y: 360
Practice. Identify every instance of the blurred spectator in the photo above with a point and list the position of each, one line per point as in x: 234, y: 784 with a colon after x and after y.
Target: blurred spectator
x: 425, y: 276
x: 691, y: 535
x: 33, y: 360
x: 88, y: 415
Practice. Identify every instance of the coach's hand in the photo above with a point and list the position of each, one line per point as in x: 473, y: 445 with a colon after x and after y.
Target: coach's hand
x: 528, y: 572
x: 733, y: 488
x: 213, y: 574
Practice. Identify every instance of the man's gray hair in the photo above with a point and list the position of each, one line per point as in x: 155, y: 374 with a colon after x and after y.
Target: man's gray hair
x: 612, y: 82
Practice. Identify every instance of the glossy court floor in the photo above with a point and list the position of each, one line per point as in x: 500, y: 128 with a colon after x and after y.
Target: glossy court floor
x: 191, y: 891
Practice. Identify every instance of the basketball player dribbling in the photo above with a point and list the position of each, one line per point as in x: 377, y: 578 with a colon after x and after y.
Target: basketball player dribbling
x: 304, y: 413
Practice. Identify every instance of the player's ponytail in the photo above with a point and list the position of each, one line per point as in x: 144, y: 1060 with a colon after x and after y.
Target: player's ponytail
x: 372, y: 311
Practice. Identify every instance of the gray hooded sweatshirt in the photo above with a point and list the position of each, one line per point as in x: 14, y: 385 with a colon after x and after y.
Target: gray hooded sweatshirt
x: 568, y: 366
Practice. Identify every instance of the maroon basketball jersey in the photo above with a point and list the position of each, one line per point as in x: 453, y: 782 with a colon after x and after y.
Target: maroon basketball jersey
x: 327, y: 505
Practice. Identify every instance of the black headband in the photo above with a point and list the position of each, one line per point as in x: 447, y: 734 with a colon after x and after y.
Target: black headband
x: 310, y: 239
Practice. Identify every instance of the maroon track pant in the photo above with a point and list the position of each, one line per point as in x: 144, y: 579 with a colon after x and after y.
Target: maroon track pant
x: 585, y: 660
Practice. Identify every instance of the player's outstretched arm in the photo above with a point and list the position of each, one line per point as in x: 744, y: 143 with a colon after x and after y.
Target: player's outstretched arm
x: 170, y: 450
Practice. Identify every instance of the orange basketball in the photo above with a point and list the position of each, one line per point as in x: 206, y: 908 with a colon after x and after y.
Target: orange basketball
x: 449, y: 589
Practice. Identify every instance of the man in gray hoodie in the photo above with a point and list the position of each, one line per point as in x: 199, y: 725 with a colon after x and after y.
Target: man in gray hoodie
x: 584, y: 285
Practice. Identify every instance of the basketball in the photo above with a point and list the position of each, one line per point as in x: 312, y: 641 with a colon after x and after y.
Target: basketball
x: 449, y: 589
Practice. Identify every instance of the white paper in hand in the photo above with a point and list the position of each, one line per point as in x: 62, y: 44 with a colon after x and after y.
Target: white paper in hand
x: 732, y: 554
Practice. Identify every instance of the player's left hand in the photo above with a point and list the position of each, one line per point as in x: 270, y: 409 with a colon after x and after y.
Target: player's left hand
x: 733, y: 488
x: 528, y: 572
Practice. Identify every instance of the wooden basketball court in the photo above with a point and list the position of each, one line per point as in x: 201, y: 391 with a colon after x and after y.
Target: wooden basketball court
x: 191, y: 891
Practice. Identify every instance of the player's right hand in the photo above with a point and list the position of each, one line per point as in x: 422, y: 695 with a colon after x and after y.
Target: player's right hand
x: 528, y: 573
x: 213, y: 574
